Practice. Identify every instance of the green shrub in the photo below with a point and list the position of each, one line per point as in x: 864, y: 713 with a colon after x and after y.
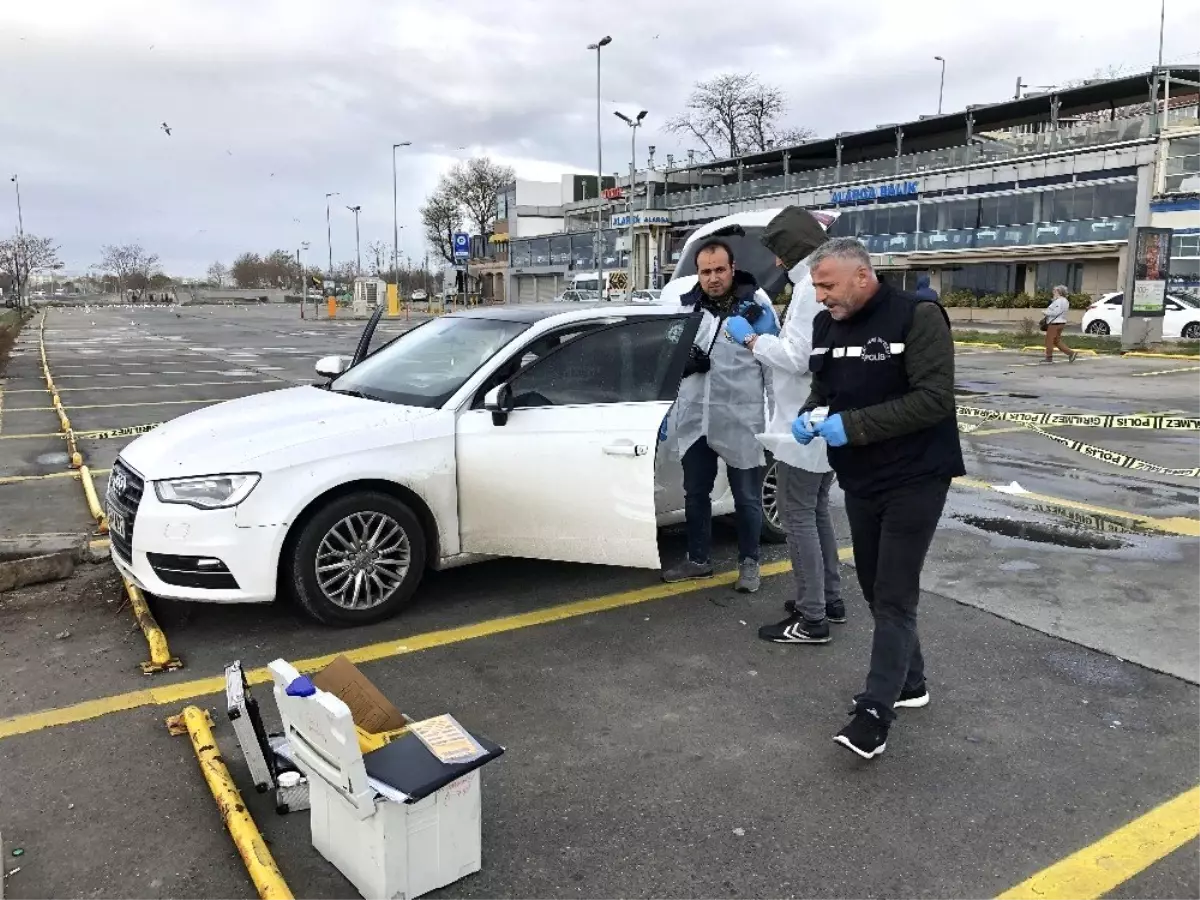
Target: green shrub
x: 1079, y: 301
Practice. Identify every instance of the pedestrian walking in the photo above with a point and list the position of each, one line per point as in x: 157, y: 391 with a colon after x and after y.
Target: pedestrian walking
x: 804, y: 475
x: 1054, y: 321
x: 924, y: 291
x: 720, y: 408
x: 883, y: 368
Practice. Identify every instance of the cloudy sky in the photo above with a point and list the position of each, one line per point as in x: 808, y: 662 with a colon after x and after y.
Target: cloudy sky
x: 273, y: 103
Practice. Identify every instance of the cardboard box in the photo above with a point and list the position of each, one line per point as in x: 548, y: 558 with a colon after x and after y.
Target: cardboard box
x: 371, y: 711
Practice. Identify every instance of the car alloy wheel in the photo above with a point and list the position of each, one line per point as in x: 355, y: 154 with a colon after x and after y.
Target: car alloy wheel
x: 355, y: 559
x: 772, y: 523
x: 363, y: 560
x: 1191, y: 331
x: 1098, y: 327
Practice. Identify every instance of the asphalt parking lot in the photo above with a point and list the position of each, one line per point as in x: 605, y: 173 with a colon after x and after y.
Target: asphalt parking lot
x: 655, y: 746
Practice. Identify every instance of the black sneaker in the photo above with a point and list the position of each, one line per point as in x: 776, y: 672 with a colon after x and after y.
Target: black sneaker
x: 866, y: 734
x: 913, y: 698
x: 796, y: 630
x: 835, y: 612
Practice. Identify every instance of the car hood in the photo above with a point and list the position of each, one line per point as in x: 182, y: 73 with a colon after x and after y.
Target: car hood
x: 245, y: 434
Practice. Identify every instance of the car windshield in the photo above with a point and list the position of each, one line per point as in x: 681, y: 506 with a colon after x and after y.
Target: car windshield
x: 1184, y: 300
x: 426, y: 366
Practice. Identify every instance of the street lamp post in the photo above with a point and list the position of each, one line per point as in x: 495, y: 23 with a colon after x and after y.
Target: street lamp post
x: 942, y: 83
x: 599, y: 248
x: 303, y: 279
x: 1162, y: 24
x: 329, y: 232
x: 21, y: 248
x: 633, y: 124
x: 357, y: 252
x: 396, y: 219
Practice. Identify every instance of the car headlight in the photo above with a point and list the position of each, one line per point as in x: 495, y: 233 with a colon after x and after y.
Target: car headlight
x: 208, y: 491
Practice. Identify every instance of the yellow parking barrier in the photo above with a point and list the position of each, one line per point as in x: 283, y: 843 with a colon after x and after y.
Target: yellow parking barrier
x: 256, y: 856
x: 1145, y: 354
x: 1041, y: 349
x: 93, y: 501
x: 161, y: 659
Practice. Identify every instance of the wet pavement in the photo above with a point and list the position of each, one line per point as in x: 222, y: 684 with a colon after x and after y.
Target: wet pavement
x: 656, y: 749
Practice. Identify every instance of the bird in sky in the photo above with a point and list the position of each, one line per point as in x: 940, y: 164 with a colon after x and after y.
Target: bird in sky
x: 167, y: 128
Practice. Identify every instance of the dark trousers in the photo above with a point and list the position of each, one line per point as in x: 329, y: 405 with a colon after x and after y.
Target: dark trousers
x: 699, y: 476
x: 891, y: 532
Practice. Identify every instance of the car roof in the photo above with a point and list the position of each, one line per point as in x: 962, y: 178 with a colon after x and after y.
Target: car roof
x: 533, y: 313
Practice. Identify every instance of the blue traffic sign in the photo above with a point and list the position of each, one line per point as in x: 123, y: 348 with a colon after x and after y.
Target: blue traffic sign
x: 462, y: 245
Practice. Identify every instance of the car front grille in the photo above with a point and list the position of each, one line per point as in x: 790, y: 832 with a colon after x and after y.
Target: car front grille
x: 124, y: 495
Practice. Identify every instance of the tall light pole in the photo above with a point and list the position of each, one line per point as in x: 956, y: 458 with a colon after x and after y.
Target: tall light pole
x: 1162, y: 24
x: 357, y: 252
x: 303, y: 278
x: 942, y: 83
x: 329, y: 232
x: 633, y: 124
x: 599, y: 248
x: 22, y: 249
x: 396, y: 218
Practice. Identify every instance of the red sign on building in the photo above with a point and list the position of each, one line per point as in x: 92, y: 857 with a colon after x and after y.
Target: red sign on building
x: 613, y: 193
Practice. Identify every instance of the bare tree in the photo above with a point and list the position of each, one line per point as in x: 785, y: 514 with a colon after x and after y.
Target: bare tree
x: 130, y: 263
x: 21, y: 256
x: 475, y: 185
x: 379, y: 256
x: 246, y: 270
x: 736, y: 113
x: 216, y: 274
x: 441, y: 216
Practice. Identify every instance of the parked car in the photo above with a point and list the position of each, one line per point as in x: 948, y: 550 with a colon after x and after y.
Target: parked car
x: 573, y: 296
x: 647, y: 296
x: 419, y: 296
x: 460, y: 440
x: 1181, y: 320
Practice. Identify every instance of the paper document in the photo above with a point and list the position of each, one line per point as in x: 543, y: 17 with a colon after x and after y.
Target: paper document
x: 447, y: 740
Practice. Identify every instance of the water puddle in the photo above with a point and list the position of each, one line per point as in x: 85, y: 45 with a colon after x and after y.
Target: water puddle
x: 1039, y: 533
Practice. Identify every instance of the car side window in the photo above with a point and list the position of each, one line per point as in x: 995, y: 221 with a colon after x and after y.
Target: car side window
x: 625, y: 363
x: 1117, y: 300
x: 530, y: 354
x: 1173, y: 306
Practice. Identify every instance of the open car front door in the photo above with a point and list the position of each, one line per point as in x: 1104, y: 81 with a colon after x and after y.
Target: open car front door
x: 559, y: 464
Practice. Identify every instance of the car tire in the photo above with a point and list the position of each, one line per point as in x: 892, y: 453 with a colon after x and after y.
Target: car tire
x: 1190, y: 331
x: 772, y: 524
x: 328, y: 535
x: 1099, y: 326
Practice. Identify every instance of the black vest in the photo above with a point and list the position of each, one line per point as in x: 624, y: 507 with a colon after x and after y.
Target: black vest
x: 860, y: 362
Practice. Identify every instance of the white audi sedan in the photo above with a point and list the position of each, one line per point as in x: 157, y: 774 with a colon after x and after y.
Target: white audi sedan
x: 498, y: 431
x: 1181, y: 317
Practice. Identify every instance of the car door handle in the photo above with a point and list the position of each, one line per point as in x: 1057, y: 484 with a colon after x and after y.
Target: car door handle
x: 626, y: 449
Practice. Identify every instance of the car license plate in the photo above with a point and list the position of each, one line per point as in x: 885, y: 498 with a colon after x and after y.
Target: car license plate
x: 116, y: 523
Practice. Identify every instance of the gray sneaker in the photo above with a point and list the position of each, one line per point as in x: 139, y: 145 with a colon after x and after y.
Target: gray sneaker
x: 688, y: 571
x: 749, y: 577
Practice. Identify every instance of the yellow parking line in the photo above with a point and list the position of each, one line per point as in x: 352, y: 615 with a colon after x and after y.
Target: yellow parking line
x: 171, y: 694
x: 1094, y: 871
x: 142, y: 387
x: 1180, y: 525
x: 80, y: 406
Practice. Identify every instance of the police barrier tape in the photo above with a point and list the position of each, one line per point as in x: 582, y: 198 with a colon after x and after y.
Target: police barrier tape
x: 127, y: 431
x: 1032, y: 421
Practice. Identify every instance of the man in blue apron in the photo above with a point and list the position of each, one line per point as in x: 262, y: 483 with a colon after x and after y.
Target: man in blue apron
x: 720, y: 410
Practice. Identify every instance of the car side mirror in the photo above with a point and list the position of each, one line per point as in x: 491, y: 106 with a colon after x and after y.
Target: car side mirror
x: 332, y: 366
x: 499, y: 402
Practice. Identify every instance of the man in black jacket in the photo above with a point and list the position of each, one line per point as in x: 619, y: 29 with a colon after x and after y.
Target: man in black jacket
x: 883, y: 370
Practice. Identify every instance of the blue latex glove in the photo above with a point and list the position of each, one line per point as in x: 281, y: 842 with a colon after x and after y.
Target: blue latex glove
x: 766, y: 323
x: 802, y: 429
x: 738, y: 329
x: 834, y: 431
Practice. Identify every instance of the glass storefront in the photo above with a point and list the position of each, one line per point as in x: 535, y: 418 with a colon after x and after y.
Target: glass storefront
x: 1185, y: 260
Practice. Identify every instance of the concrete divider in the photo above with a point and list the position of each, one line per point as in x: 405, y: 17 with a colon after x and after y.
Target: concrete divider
x: 255, y: 854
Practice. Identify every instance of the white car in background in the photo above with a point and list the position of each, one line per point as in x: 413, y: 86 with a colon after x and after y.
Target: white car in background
x: 497, y: 431
x: 1181, y: 320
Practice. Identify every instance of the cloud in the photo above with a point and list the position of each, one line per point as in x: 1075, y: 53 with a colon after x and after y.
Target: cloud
x: 274, y: 103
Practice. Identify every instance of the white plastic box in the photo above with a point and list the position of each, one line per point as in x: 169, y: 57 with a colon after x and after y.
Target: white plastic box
x: 385, y: 847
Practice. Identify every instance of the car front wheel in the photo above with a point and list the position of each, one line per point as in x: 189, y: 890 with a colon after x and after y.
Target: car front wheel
x: 1191, y: 331
x: 358, y: 559
x: 772, y: 524
x: 1099, y: 326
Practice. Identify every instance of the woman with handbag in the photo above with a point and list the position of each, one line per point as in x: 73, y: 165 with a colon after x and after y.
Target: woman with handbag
x: 1053, y: 322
